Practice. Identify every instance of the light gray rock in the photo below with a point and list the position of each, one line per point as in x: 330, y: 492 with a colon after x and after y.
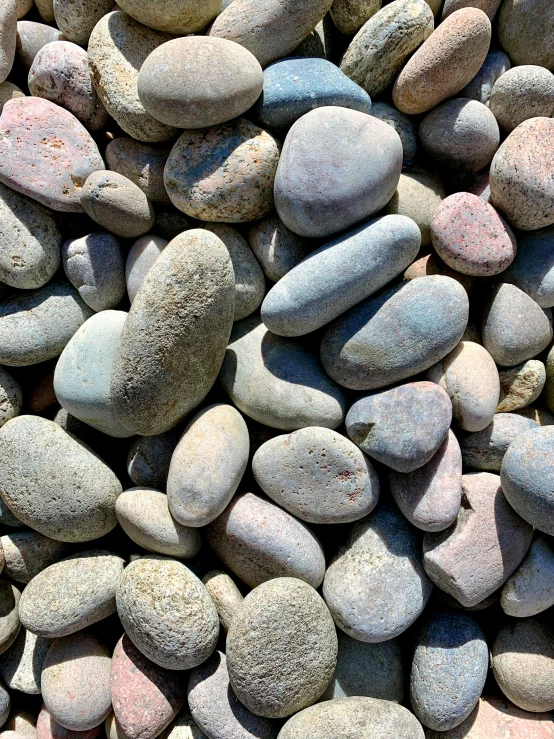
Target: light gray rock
x: 8, y: 31
x: 281, y: 648
x: 11, y: 398
x: 317, y: 475
x: 30, y: 241
x: 485, y: 449
x: 530, y: 590
x: 149, y: 459
x: 71, y: 502
x: 117, y: 204
x: 174, y: 339
x: 167, y: 613
x: 380, y: 555
x: 258, y: 541
x: 141, y: 163
x: 143, y: 513
x: 277, y: 381
x: 21, y: 665
x: 176, y: 17
x: 77, y: 18
x: 9, y: 616
x: 521, y: 385
x: 403, y: 126
x: 495, y: 65
x: 521, y: 38
x: 26, y: 553
x: 31, y: 37
x: 140, y: 260
x: 340, y: 274
x: 94, y: 266
x: 523, y: 92
x: 276, y: 248
x: 226, y: 596
x: 36, y: 325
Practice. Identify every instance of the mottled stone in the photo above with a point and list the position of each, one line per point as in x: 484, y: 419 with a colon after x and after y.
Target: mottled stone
x: 94, y: 266
x: 337, y: 167
x: 523, y: 92
x: 11, y: 398
x: 149, y: 459
x: 379, y: 554
x: 479, y: 552
x: 141, y: 163
x: 31, y: 37
x: 521, y: 37
x: 117, y: 204
x: 276, y: 248
x: 77, y: 18
x: 403, y: 126
x: 26, y: 553
x: 418, y: 195
x: 521, y: 385
x: 533, y: 268
x: 495, y: 65
x: 350, y: 15
x: 21, y: 665
x: 226, y: 596
x: 485, y: 449
x: 530, y: 590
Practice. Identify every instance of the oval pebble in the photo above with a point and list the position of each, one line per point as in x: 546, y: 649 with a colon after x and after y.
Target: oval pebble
x: 174, y: 16
x: 94, y: 266
x: 167, y: 612
x: 141, y: 163
x: 530, y: 590
x: 418, y: 195
x: 11, y: 398
x: 116, y: 203
x: 521, y: 93
x: 77, y: 18
x: 276, y: 248
x: 521, y: 385
x: 533, y: 268
x: 521, y: 37
x: 21, y: 665
x: 140, y: 260
x: 495, y: 65
x: 350, y: 15
x: 26, y: 553
x: 485, y: 449
x: 281, y: 648
x: 226, y: 596
x: 403, y: 126
x: 31, y: 37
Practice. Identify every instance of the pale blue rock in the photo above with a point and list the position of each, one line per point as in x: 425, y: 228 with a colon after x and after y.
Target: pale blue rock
x: 293, y: 87
x: 83, y: 372
x: 396, y: 335
x: 485, y: 449
x: 449, y: 669
x: 401, y: 123
x: 495, y: 65
x: 340, y: 274
x: 533, y: 268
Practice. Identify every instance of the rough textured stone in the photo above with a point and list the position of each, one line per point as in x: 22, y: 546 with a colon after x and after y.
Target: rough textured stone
x: 403, y: 126
x: 94, y: 266
x: 337, y: 167
x: 46, y: 153
x: 47, y: 728
x: 281, y: 648
x: 167, y: 612
x: 533, y: 268
x: 417, y: 196
x: 26, y: 553
x: 8, y: 31
x: 71, y: 502
x: 521, y: 385
x: 384, y: 43
x: 530, y: 590
x: 141, y: 163
x: 402, y: 332
x: 207, y: 465
x: 523, y: 92
x: 173, y: 16
x: 11, y: 398
x: 21, y: 665
x: 449, y: 669
x: 480, y: 551
x: 5, y: 704
x: 379, y: 553
x: 495, y: 65
x: 350, y: 15
x: 485, y: 449
x: 226, y: 596
x: 117, y: 204
x: 430, y: 496
x: 9, y: 91
x: 149, y: 459
x: 258, y: 541
x: 31, y: 37
x: 173, y: 341
x: 140, y: 260
x: 487, y: 6
x: 521, y: 37
x: 77, y: 18
x: 23, y: 722
x: 276, y: 248
x: 515, y: 328
x: 76, y: 681
x: 277, y: 381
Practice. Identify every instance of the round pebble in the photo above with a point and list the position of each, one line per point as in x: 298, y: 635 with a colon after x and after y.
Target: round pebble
x: 11, y: 398
x: 521, y: 93
x: 521, y: 385
x: 225, y: 594
x: 140, y: 260
x: 94, y: 266
x: 21, y: 665
x: 31, y: 37
x: 77, y: 18
x: 276, y: 248
x: 533, y: 268
x: 26, y: 553
x: 521, y: 37
x: 173, y: 16
x: 141, y: 163
x: 403, y: 126
x: 530, y: 590
x: 418, y: 195
x: 485, y: 449
x: 116, y: 203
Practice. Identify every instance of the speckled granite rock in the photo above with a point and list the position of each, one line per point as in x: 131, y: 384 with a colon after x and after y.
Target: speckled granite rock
x: 77, y: 18
x: 523, y: 92
x: 521, y: 385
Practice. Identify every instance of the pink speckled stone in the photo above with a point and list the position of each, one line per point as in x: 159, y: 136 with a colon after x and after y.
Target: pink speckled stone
x: 145, y: 696
x: 46, y: 153
x: 497, y: 718
x: 469, y: 235
x: 47, y: 728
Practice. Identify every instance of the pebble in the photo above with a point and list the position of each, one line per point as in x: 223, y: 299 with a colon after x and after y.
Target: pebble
x: 94, y: 266
x: 527, y: 473
x: 515, y: 328
x: 140, y: 260
x: 396, y: 335
x: 31, y: 37
x: 225, y: 594
x: 495, y: 65
x: 380, y: 49
x: 8, y: 30
x: 59, y: 73
x: 76, y: 681
x: 521, y: 38
x: 317, y: 475
x: 417, y: 196
x: 174, y: 339
x: 73, y: 502
x: 216, y: 709
x: 258, y: 541
x: 350, y: 15
x: 249, y: 277
x: 149, y: 459
x: 46, y: 10
x: 523, y: 663
x: 167, y: 613
x: 21, y: 665
x: 430, y: 496
x: 9, y: 91
x: 449, y: 669
x: 533, y: 268
x: 116, y: 203
x: 403, y: 126
x: 9, y: 618
x: 378, y: 554
x: 224, y: 174
x: 522, y: 93
x: 478, y: 553
x: 5, y: 704
x: 281, y: 648
x: 276, y: 248
x: 365, y: 716
x: 485, y: 449
x: 461, y: 134
x: 176, y: 17
x: 278, y: 381
x: 22, y: 722
x: 530, y: 589
x: 117, y: 48
x: 470, y: 377
x: 39, y: 137
x: 141, y: 163
x: 521, y: 385
x: 254, y: 26
x: 520, y: 181
x: 47, y: 728
x: 337, y: 167
x: 204, y: 477
x: 11, y: 398
x: 171, y: 223
x: 77, y: 18
x: 26, y: 553
x: 487, y: 6
x: 143, y: 513
x: 145, y: 697
x: 293, y: 87
x: 82, y: 374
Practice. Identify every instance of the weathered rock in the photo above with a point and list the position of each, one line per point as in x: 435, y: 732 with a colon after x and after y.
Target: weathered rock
x: 226, y: 596
x: 174, y: 16
x: 9, y: 618
x: 417, y: 196
x: 8, y: 31
x: 530, y: 590
x: 403, y: 126
x: 23, y: 722
x: 533, y: 268
x: 11, y: 398
x: 277, y: 248
x: 141, y: 163
x: 487, y: 6
x: 47, y: 728
x: 521, y: 385
x: 140, y: 260
x: 485, y: 449
x: 26, y: 553
x: 21, y: 665
x: 523, y: 92
x: 495, y: 65
x: 521, y: 38
x: 149, y: 459
x: 77, y: 18
x: 31, y: 37
x: 350, y: 15
x: 116, y: 203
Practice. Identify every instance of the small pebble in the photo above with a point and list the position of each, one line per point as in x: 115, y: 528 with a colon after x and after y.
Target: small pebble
x: 350, y: 15
x: 530, y: 590
x: 418, y: 195
x: 116, y: 203
x: 9, y: 614
x: 533, y: 268
x: 26, y: 553
x: 225, y: 594
x: 140, y: 260
x: 21, y: 666
x: 276, y: 248
x: 522, y: 93
x: 141, y: 163
x: 485, y: 449
x: 11, y: 398
x: 176, y: 17
x: 495, y: 65
x: 522, y: 38
x: 403, y: 126
x: 94, y: 266
x: 31, y: 37
x: 77, y: 18
x: 521, y: 385
x: 149, y: 459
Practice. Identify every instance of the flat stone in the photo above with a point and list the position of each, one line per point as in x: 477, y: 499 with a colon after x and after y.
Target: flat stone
x: 533, y: 268
x: 11, y: 398
x: 94, y: 266
x: 495, y: 65
x: 26, y: 553
x: 521, y: 38
x: 21, y: 665
x: 141, y: 163
x: 276, y: 248
x: 530, y: 590
x: 226, y: 596
x: 31, y: 37
x: 332, y: 172
x: 403, y: 126
x: 485, y: 449
x: 76, y: 18
x: 118, y: 204
x: 149, y: 459
x: 523, y: 92
x: 521, y: 385
x: 417, y: 196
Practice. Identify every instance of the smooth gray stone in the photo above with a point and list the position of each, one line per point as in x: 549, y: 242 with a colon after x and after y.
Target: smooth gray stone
x: 530, y: 590
x: 527, y: 476
x: 21, y: 665
x: 83, y: 373
x: 277, y: 381
x: 402, y: 124
x: 276, y: 247
x: 340, y: 274
x: 149, y: 458
x: 31, y: 37
x: 449, y: 669
x: 380, y: 556
x: 396, y: 335
x: 36, y: 325
x: 533, y: 268
x: 402, y: 427
x: 496, y: 63
x: 140, y: 260
x: 94, y: 266
x: 485, y: 450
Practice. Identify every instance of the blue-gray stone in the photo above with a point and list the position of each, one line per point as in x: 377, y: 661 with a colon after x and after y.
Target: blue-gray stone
x: 297, y: 85
x: 485, y: 449
x: 449, y: 669
x: 527, y: 477
x: 495, y: 65
x: 402, y: 124
x: 533, y: 268
x: 402, y: 427
x: 340, y: 274
x: 396, y: 335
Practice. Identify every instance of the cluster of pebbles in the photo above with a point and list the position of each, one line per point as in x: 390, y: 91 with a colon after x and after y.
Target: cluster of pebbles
x: 276, y: 369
